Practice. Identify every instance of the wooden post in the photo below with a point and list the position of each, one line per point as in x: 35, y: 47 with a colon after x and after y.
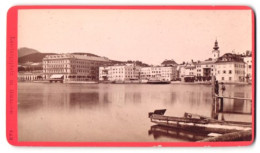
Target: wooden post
x: 214, y: 114
x: 221, y: 104
x: 217, y: 107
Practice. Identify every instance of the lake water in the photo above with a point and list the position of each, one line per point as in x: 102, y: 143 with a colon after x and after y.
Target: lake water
x: 115, y: 112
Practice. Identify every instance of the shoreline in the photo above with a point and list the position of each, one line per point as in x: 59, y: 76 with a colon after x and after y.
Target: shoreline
x: 99, y: 82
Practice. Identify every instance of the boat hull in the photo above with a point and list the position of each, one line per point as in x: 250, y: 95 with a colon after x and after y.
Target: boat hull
x: 196, y: 124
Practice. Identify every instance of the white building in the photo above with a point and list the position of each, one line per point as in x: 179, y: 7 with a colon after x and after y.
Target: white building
x: 119, y: 72
x: 248, y: 66
x: 72, y: 67
x: 159, y: 73
x: 230, y: 68
x: 188, y: 71
x: 205, y: 68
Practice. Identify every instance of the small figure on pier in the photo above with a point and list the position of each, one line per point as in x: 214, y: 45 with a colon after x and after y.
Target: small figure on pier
x: 223, y: 88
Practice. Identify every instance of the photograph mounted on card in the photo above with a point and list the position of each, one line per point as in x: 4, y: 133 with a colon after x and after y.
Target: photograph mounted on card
x: 130, y: 76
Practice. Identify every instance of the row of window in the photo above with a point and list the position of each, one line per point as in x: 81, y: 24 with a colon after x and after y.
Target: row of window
x: 199, y: 70
x: 72, y: 61
x: 230, y: 72
x: 225, y: 72
x: 67, y: 71
x: 206, y: 66
x: 240, y: 65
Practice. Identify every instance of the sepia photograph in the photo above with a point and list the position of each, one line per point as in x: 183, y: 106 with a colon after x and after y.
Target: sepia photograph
x: 135, y: 75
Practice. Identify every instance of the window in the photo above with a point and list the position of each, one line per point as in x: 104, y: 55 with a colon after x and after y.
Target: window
x: 230, y: 78
x: 230, y: 71
x: 223, y: 78
x: 224, y: 71
x: 249, y: 66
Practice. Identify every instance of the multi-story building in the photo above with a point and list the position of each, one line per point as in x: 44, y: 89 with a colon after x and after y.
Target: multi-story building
x: 230, y: 68
x: 30, y: 75
x: 159, y: 72
x: 132, y: 72
x: 205, y: 69
x: 248, y: 65
x: 188, y: 71
x: 119, y: 72
x: 146, y: 73
x: 72, y: 67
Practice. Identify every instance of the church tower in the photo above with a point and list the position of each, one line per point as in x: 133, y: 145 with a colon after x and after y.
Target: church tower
x: 215, y: 52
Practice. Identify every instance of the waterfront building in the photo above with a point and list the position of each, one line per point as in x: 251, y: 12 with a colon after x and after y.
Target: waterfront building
x: 205, y: 70
x: 146, y: 73
x: 248, y: 65
x: 227, y: 68
x: 30, y: 75
x: 72, y: 67
x: 127, y: 72
x: 168, y: 73
x: 188, y: 71
x: 230, y: 68
x: 119, y: 72
x: 30, y: 71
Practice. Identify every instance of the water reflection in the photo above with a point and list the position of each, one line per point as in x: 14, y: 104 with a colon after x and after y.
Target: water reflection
x: 158, y: 132
x: 83, y: 100
x: 133, y: 97
x: 95, y: 112
x: 237, y: 105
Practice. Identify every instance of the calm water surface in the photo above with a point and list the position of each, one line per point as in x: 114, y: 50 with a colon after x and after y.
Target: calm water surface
x: 115, y: 112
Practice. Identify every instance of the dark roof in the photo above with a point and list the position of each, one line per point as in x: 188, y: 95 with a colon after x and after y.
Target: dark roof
x: 229, y: 57
x: 205, y: 62
x: 166, y: 62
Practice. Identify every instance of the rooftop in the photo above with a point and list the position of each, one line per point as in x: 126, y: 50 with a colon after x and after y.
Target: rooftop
x: 77, y: 56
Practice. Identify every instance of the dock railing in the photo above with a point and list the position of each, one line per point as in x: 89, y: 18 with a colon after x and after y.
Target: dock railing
x: 218, y: 102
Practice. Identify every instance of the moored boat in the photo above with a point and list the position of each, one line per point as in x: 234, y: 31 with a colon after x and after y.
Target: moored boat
x: 158, y: 82
x: 192, y: 122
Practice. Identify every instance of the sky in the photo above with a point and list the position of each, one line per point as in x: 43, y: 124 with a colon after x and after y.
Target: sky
x: 150, y: 36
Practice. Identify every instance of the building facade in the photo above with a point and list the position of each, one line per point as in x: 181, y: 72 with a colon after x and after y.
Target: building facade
x: 30, y: 76
x: 188, y: 71
x: 230, y: 68
x: 166, y: 73
x: 119, y: 72
x: 72, y: 67
x: 248, y: 66
x: 131, y: 72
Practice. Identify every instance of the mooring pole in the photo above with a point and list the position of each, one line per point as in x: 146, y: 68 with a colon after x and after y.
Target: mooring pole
x: 215, y: 107
x: 221, y: 104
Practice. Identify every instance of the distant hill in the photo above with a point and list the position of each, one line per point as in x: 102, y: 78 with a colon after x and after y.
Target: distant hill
x: 26, y: 51
x: 31, y: 55
x: 36, y: 57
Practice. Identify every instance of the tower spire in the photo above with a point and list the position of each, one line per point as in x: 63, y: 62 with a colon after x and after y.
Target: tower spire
x: 216, y: 45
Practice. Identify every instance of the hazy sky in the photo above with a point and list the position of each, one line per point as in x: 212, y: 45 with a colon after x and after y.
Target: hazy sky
x: 147, y: 35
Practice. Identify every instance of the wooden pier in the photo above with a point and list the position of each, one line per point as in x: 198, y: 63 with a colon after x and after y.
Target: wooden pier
x: 218, y: 103
x: 226, y: 130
